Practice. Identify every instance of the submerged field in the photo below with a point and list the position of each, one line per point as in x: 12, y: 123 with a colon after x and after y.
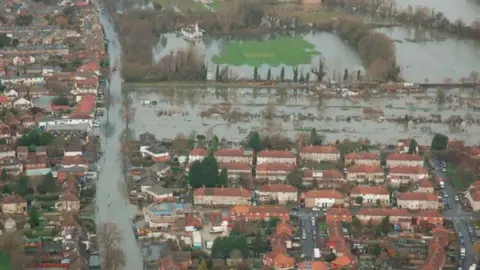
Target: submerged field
x: 282, y: 51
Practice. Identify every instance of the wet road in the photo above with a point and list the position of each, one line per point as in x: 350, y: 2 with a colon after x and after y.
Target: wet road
x: 461, y: 219
x: 111, y: 200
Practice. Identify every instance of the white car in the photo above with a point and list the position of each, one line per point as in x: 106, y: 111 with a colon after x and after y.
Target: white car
x: 315, y: 209
x: 457, y: 198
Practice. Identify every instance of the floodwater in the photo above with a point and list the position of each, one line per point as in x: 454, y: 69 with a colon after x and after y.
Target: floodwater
x: 467, y: 10
x: 180, y: 101
x: 113, y: 206
x: 420, y: 54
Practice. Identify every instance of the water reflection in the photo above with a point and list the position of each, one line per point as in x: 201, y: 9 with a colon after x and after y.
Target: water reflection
x: 232, y: 113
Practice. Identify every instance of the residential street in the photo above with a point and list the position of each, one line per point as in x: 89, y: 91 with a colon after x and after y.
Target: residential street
x: 461, y: 219
x: 112, y: 204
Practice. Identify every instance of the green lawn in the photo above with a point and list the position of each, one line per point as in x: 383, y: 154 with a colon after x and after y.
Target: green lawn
x: 4, y: 261
x: 287, y: 51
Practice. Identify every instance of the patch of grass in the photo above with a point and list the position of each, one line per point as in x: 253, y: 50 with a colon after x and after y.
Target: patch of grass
x: 4, y: 261
x: 287, y: 51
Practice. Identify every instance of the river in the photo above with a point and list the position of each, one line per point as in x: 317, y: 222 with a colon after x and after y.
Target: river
x: 111, y: 184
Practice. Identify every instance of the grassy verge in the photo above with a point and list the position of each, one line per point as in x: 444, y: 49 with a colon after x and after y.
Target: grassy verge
x: 183, y: 5
x: 4, y: 261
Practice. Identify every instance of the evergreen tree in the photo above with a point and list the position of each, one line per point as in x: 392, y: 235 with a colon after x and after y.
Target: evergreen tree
x: 282, y: 74
x: 223, y: 178
x: 217, y: 74
x: 269, y: 74
x: 49, y: 183
x: 359, y: 73
x: 295, y: 74
x: 254, y: 141
x: 22, y: 186
x: 307, y: 77
x: 33, y: 216
x: 412, y: 149
x: 4, y: 176
x: 345, y: 74
x: 255, y: 73
x: 301, y: 79
x: 258, y: 244
x: 315, y: 139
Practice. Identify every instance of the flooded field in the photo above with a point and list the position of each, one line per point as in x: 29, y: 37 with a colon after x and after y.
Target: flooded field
x: 232, y: 113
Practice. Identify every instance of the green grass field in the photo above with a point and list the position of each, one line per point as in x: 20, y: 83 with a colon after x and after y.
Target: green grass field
x: 286, y: 51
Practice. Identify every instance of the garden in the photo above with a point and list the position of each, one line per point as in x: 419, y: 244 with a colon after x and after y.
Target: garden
x: 286, y: 51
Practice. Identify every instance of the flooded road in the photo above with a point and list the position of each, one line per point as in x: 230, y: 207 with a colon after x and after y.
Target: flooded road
x: 111, y: 201
x: 181, y: 111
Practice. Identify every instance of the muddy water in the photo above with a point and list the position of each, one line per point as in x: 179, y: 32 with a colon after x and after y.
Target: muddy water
x: 192, y: 101
x: 467, y: 10
x: 420, y: 54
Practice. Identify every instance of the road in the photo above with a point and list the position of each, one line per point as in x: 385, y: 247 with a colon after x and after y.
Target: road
x: 461, y: 219
x: 111, y: 200
x: 308, y: 244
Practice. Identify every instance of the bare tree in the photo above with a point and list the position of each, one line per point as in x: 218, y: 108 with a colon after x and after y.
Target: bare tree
x: 109, y: 238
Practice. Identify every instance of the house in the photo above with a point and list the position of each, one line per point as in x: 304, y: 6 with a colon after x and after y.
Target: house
x: 159, y: 194
x: 35, y: 161
x: 22, y: 103
x: 260, y: 212
x: 279, y: 193
x: 86, y: 86
x: 338, y: 214
x: 222, y: 196
x: 320, y: 153
x: 417, y: 200
x: 68, y: 202
x: 12, y: 165
x: 411, y: 160
x: 278, y: 260
x: 9, y: 224
x: 403, y: 146
x: 276, y: 156
x: 38, y: 91
x: 12, y: 94
x: 72, y: 150
x: 233, y: 156
x: 74, y: 161
x: 322, y: 198
x: 5, y: 102
x: 63, y: 173
x: 22, y: 152
x: 312, y: 265
x: 156, y: 152
x: 160, y: 168
x: 362, y: 158
x: 397, y: 216
x: 7, y: 151
x: 437, y: 256
x: 323, y: 179
x: 403, y: 175
x: 274, y: 171
x: 336, y: 242
x: 92, y: 67
x: 365, y: 174
x: 371, y: 195
x: 197, y: 154
x: 236, y: 170
x: 473, y: 195
x: 425, y: 186
x: 14, y: 204
x: 145, y: 180
x: 430, y: 217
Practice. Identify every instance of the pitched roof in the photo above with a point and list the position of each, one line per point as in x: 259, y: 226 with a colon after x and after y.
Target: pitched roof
x: 234, y: 166
x: 230, y: 192
x: 326, y: 174
x: 198, y: 152
x: 425, y: 183
x: 362, y: 155
x: 315, y: 265
x: 320, y: 149
x: 274, y: 167
x: 417, y: 196
x: 258, y: 209
x: 338, y: 211
x: 383, y: 212
x: 364, y: 169
x: 277, y: 188
x: 229, y: 152
x: 404, y: 157
x: 409, y: 170
x: 275, y: 154
x: 324, y: 193
x: 378, y: 190
x: 14, y: 198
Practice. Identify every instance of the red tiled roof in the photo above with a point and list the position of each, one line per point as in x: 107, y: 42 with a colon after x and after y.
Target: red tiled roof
x: 409, y: 170
x: 74, y: 160
x: 338, y: 211
x: 378, y: 190
x: 85, y: 106
x: 93, y: 81
x: 198, y: 152
x: 234, y: 166
x: 425, y: 183
x: 320, y: 149
x: 327, y: 174
x: 324, y: 193
x: 229, y: 153
x: 417, y: 196
x: 69, y: 197
x: 395, y: 212
x: 364, y: 169
x: 277, y: 188
x: 276, y: 154
x: 4, y: 99
x: 315, y: 265
x: 92, y: 67
x: 428, y: 213
x: 233, y: 192
x: 362, y: 155
x: 258, y: 209
x: 274, y: 167
x: 15, y: 198
x: 406, y: 157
